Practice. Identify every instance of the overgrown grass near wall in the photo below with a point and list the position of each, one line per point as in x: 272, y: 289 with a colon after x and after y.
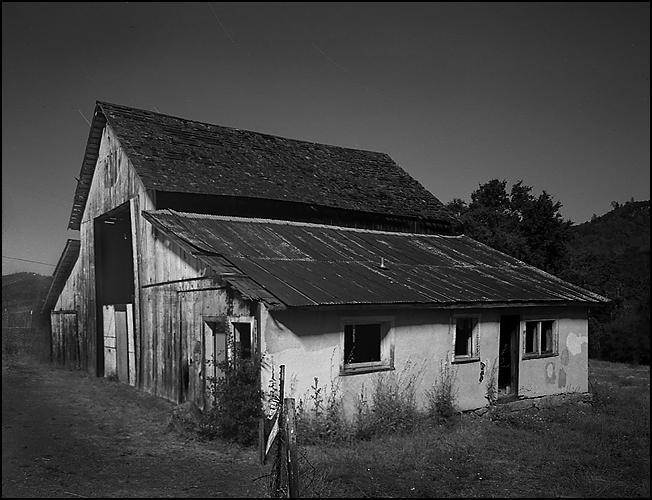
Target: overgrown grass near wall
x: 600, y: 449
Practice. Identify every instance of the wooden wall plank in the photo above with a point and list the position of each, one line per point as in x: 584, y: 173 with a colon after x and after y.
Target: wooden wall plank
x: 131, y: 334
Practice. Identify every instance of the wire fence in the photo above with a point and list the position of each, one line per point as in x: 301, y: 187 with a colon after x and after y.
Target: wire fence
x: 22, y: 334
x: 17, y: 319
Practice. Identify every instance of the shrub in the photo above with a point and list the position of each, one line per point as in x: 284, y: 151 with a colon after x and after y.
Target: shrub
x: 321, y: 418
x: 237, y: 403
x: 443, y: 395
x: 393, y: 405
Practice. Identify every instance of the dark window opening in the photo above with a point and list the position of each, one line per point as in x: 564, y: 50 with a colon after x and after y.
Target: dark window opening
x: 362, y: 343
x: 242, y: 333
x: 531, y: 337
x: 464, y: 336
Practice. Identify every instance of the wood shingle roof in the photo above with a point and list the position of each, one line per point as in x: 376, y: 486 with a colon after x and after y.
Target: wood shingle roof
x: 179, y: 155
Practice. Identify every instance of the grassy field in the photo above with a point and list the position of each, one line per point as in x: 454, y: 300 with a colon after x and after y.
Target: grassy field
x: 601, y: 449
x: 598, y: 449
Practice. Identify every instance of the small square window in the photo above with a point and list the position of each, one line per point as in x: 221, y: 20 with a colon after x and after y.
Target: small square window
x: 367, y: 346
x: 539, y: 338
x: 466, y: 338
x: 361, y: 343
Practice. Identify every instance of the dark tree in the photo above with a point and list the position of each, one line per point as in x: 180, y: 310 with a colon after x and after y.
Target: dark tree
x: 518, y: 223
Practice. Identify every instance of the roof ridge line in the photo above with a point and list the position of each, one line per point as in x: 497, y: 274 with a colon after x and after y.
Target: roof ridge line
x: 280, y: 222
x: 244, y: 129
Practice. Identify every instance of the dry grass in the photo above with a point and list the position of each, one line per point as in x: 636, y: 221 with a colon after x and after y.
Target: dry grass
x: 598, y: 450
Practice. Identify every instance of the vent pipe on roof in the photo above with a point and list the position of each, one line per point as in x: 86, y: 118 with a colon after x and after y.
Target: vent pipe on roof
x: 382, y: 263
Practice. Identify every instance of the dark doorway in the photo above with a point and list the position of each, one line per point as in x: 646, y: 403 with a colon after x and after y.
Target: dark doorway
x: 508, y: 356
x: 114, y: 275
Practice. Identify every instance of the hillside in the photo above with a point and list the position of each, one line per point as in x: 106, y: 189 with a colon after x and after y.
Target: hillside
x: 623, y: 228
x: 611, y: 256
x: 24, y: 291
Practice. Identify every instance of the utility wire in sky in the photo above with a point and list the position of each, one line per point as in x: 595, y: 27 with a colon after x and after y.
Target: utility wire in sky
x: 35, y: 197
x: 344, y: 69
x: 227, y: 33
x: 32, y: 261
x: 31, y: 189
x: 89, y: 123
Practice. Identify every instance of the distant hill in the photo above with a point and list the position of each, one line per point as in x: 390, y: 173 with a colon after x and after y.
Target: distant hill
x: 611, y: 256
x: 623, y: 228
x: 24, y: 291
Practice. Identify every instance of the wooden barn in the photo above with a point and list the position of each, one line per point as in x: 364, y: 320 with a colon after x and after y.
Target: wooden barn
x: 195, y: 238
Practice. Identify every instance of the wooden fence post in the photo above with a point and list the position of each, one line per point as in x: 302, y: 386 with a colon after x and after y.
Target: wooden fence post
x: 279, y: 478
x: 291, y: 448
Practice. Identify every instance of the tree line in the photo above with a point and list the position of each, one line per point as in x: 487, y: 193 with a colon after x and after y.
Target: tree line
x: 609, y: 255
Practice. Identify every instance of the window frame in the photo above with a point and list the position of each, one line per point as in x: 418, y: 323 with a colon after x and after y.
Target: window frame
x: 233, y: 343
x: 474, y: 356
x: 537, y: 352
x: 386, y: 361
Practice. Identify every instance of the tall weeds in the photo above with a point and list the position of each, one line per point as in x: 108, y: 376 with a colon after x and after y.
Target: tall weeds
x: 392, y: 407
x: 442, y: 396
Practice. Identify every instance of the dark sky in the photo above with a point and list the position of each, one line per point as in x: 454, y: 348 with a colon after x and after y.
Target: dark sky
x: 554, y: 94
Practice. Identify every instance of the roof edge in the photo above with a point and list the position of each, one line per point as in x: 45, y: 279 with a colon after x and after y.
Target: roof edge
x: 258, y: 220
x: 88, y: 167
x: 61, y: 273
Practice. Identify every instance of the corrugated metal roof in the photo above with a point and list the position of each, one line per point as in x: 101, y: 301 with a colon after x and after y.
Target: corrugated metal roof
x: 61, y: 273
x: 185, y: 156
x: 304, y: 264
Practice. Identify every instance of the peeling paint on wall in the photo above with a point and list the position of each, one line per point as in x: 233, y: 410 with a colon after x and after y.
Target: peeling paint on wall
x: 565, y: 357
x: 575, y: 343
x: 562, y: 378
x: 551, y: 376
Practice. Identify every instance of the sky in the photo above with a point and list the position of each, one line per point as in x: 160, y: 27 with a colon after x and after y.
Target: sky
x: 556, y: 95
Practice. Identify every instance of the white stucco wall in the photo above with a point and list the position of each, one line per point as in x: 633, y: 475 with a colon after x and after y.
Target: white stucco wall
x: 309, y: 344
x: 568, y: 370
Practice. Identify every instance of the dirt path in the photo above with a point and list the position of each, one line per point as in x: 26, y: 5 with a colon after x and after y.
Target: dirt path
x: 68, y: 435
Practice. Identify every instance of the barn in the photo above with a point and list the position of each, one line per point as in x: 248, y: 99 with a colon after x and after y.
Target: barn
x: 199, y: 241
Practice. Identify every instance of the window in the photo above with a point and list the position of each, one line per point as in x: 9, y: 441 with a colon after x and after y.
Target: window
x: 540, y: 338
x: 466, y: 338
x: 367, y: 345
x: 242, y: 339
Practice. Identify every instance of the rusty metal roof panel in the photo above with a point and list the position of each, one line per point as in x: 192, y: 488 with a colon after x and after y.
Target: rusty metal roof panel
x: 305, y: 264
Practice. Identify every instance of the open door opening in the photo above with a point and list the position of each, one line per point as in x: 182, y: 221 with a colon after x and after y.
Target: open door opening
x: 114, y: 274
x: 215, y: 347
x: 508, y: 356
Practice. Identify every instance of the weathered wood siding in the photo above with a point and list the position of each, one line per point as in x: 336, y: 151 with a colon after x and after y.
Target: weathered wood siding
x: 78, y: 295
x: 177, y: 299
x: 174, y: 295
x: 66, y: 343
x: 114, y: 184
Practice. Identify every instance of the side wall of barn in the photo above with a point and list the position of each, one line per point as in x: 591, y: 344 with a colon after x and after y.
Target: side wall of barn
x: 115, y: 184
x: 173, y: 293
x: 187, y: 314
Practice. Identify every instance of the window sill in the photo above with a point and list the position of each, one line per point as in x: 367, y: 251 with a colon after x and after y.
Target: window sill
x: 365, y: 369
x: 538, y: 356
x: 460, y: 360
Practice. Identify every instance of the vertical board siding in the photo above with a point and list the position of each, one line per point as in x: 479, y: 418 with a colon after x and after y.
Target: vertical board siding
x: 174, y: 331
x: 66, y: 342
x: 131, y: 348
x: 114, y: 183
x: 109, y: 335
